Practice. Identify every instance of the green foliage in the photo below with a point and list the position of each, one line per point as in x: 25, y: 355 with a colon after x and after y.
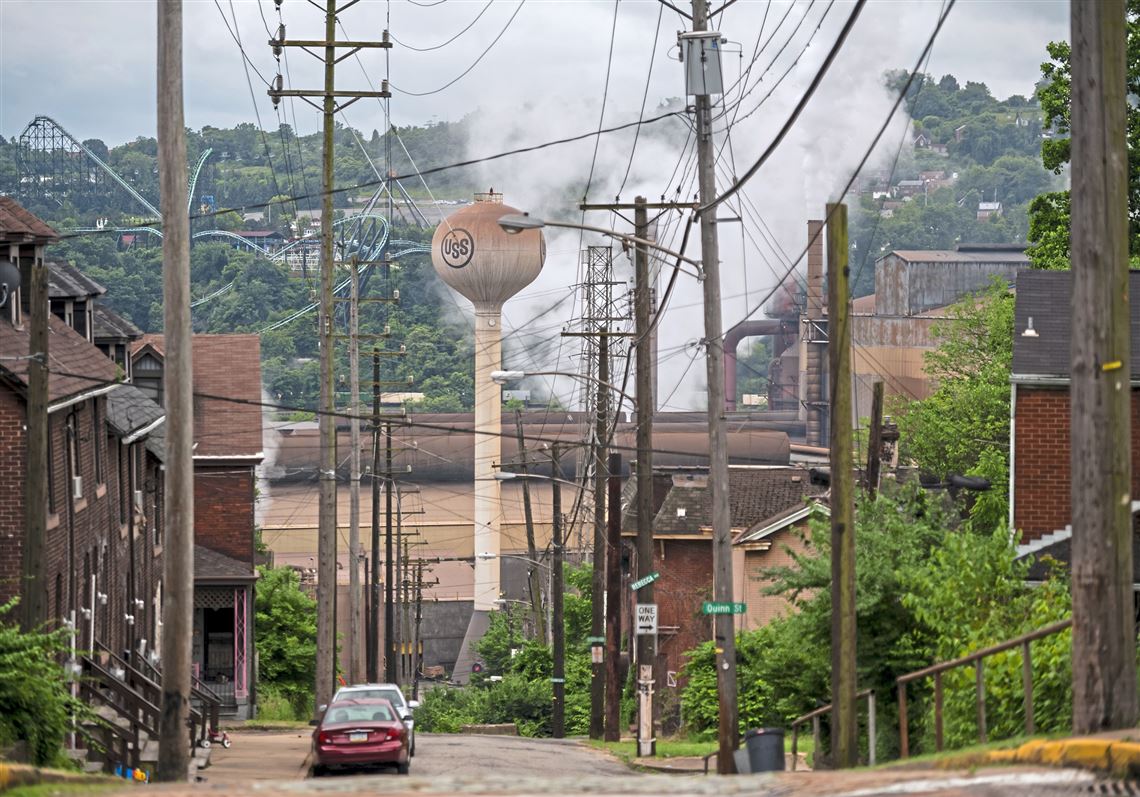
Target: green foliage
x: 286, y: 640
x: 963, y: 426
x: 1049, y: 214
x: 36, y: 706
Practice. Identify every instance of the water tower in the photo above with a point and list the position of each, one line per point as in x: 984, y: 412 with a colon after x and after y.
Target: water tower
x: 473, y: 255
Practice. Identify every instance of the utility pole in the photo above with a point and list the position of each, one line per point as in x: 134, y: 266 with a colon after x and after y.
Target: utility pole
x: 642, y: 298
x: 533, y: 578
x: 326, y: 524
x: 875, y: 441
x: 557, y: 543
x: 724, y: 625
x: 354, y: 477
x: 613, y: 601
x: 389, y: 606
x: 417, y: 663
x: 374, y: 585
x: 1104, y: 655
x: 178, y: 565
x: 598, y: 580
x: 844, y: 729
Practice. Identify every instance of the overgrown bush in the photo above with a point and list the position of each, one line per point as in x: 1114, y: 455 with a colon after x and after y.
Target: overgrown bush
x: 36, y: 706
x: 286, y: 643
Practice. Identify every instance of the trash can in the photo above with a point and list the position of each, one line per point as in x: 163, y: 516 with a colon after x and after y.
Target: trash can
x: 765, y: 748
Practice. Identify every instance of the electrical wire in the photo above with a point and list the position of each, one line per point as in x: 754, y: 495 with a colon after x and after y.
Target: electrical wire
x: 449, y: 41
x: 644, y: 97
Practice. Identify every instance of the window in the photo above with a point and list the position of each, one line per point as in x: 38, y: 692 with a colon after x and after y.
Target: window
x: 157, y: 524
x: 74, y: 463
x: 120, y: 477
x: 51, y: 470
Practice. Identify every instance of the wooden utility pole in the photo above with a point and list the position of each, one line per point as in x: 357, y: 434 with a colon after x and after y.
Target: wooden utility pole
x: 843, y: 713
x: 373, y: 663
x: 326, y: 522
x: 598, y: 580
x: 417, y: 662
x: 178, y: 515
x: 534, y: 579
x: 1104, y: 639
x: 724, y: 625
x: 33, y: 558
x: 557, y: 542
x: 613, y: 601
x: 875, y: 441
x: 389, y: 596
x: 354, y: 477
x: 642, y: 301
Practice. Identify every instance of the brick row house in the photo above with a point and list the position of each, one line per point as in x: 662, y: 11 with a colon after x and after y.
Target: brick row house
x: 103, y: 535
x: 227, y: 451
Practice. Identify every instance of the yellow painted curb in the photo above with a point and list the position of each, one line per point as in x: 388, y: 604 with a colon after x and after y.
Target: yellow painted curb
x: 1124, y: 758
x: 1086, y: 753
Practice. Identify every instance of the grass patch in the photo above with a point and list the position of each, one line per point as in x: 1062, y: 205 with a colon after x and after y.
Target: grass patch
x: 686, y: 748
x: 52, y: 789
x: 268, y: 725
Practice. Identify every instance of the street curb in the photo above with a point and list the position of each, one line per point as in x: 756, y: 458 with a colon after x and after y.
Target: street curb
x: 15, y: 775
x: 1121, y: 757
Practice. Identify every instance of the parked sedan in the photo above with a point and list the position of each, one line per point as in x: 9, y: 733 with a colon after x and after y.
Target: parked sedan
x: 390, y: 692
x: 360, y: 732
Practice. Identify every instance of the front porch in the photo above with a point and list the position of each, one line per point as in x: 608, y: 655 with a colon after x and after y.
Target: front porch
x: 222, y: 652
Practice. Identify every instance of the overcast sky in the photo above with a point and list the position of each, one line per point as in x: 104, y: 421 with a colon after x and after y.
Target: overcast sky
x: 90, y: 65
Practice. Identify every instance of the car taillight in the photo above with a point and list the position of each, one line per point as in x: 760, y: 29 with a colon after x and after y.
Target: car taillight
x: 395, y: 733
x: 324, y: 738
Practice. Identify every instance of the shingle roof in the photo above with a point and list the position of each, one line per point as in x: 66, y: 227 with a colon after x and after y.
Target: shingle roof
x: 129, y: 410
x: 109, y: 325
x: 65, y: 281
x: 228, y: 366
x: 75, y: 366
x: 1046, y: 296
x: 754, y: 494
x: 17, y: 224
x: 209, y: 565
x: 952, y: 256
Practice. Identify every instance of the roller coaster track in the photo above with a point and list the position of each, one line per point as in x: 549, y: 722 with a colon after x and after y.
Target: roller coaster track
x: 44, y: 135
x: 194, y: 179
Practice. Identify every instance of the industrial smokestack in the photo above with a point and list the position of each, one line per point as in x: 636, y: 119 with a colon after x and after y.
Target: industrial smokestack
x: 815, y: 341
x: 476, y: 257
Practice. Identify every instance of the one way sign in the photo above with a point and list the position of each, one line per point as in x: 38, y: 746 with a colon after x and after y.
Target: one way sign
x: 646, y: 619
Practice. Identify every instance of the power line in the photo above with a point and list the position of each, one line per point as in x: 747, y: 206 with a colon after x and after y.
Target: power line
x: 449, y: 41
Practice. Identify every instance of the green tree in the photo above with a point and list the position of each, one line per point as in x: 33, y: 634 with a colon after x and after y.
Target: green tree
x: 286, y: 637
x: 963, y: 426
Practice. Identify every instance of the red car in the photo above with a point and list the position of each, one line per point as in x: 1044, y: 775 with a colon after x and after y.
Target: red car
x: 357, y: 733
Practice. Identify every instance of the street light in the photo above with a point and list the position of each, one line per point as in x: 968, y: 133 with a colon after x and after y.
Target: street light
x: 514, y: 223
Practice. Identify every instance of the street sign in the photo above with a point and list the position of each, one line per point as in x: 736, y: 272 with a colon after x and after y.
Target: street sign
x: 646, y: 619
x: 596, y: 640
x: 596, y: 654
x: 708, y: 607
x: 644, y: 582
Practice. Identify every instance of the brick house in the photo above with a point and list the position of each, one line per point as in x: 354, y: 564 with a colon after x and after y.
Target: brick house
x: 1039, y: 430
x: 102, y: 535
x: 682, y: 533
x: 227, y: 452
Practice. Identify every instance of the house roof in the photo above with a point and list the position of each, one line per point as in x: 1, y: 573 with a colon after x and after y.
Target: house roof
x: 129, y: 410
x: 227, y: 366
x: 754, y: 494
x: 109, y: 325
x: 65, y: 281
x: 211, y: 566
x: 75, y: 366
x: 1046, y: 296
x: 789, y: 517
x: 16, y: 223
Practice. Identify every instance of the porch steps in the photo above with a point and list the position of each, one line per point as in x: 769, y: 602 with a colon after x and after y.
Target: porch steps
x: 1041, y: 543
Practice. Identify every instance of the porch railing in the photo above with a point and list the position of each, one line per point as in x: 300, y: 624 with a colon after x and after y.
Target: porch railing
x: 814, y: 717
x: 977, y: 658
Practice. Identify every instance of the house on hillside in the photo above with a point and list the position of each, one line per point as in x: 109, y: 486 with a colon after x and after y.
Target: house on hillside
x: 987, y: 209
x: 103, y: 531
x: 682, y: 533
x: 227, y: 452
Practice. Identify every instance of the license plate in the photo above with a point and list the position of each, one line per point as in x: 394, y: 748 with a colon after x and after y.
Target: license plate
x: 360, y: 736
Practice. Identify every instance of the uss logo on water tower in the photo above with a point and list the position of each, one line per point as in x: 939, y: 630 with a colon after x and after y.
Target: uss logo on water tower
x: 457, y: 247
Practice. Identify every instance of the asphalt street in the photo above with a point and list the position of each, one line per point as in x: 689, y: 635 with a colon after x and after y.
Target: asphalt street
x: 275, y: 763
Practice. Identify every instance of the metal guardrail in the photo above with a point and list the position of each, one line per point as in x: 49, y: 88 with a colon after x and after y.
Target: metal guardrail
x: 977, y: 658
x: 872, y: 732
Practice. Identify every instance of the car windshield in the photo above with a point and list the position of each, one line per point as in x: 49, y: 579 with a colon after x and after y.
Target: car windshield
x: 364, y: 713
x: 391, y: 695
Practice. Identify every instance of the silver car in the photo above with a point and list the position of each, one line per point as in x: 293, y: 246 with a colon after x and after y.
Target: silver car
x: 389, y: 692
